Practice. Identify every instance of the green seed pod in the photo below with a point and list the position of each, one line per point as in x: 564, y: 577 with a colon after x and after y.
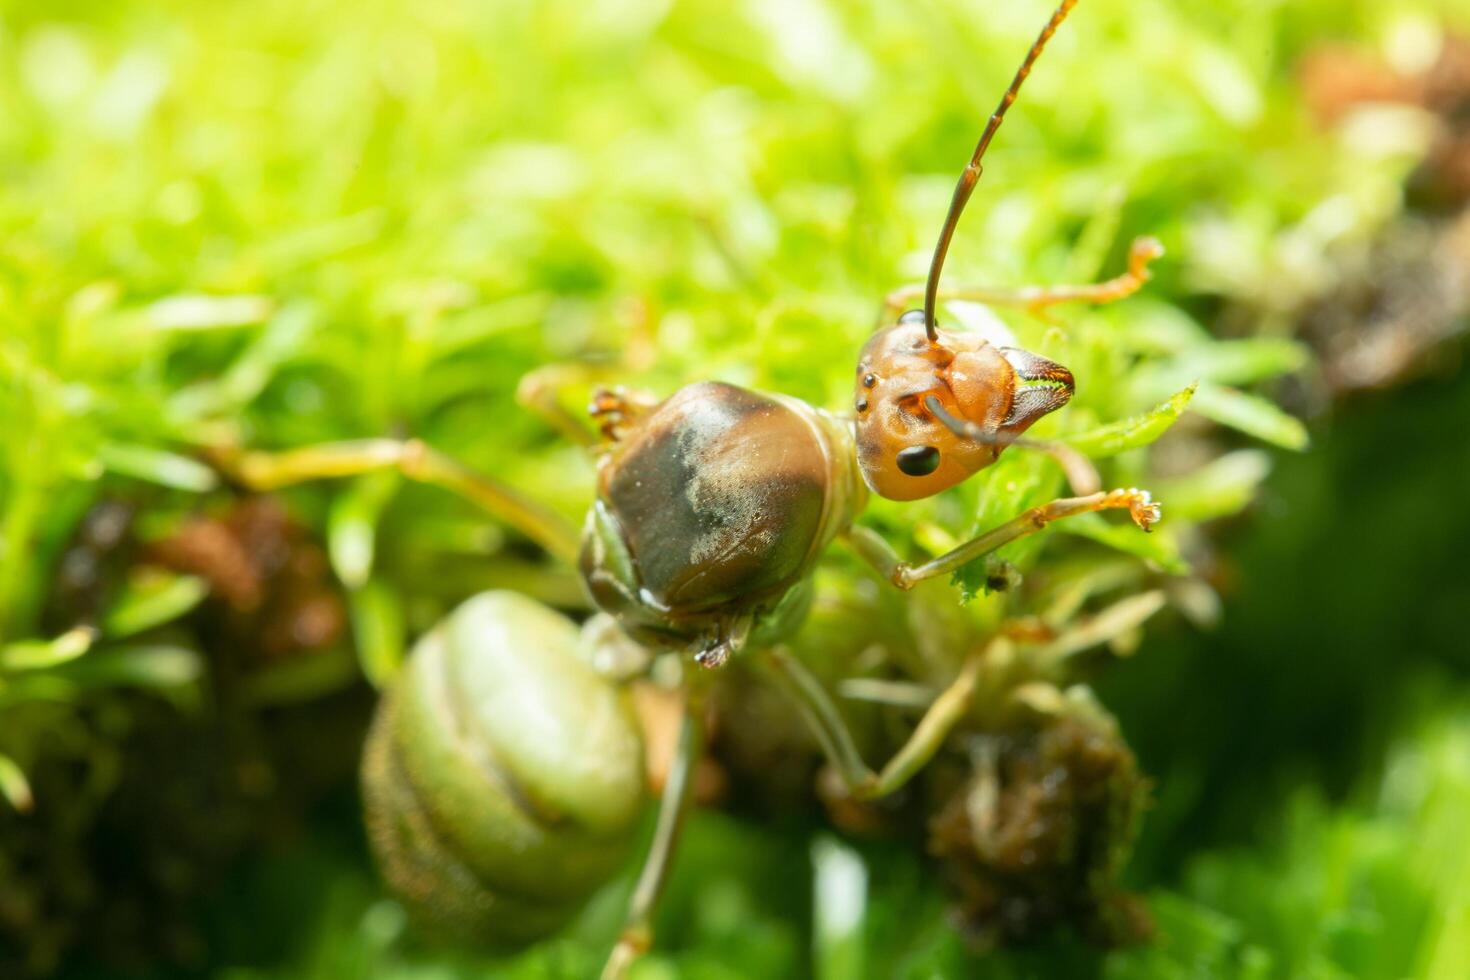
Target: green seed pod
x: 503, y: 777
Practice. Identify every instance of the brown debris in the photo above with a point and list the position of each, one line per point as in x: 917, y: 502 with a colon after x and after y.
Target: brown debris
x: 1038, y: 834
x: 270, y: 582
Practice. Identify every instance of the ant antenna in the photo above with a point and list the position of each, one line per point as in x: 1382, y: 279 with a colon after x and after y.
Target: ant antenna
x: 971, y: 175
x: 1080, y: 472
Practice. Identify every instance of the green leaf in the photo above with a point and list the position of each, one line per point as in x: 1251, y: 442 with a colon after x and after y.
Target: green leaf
x: 151, y: 600
x: 352, y: 526
x: 152, y: 666
x: 839, y: 893
x: 45, y: 654
x: 157, y: 466
x: 302, y: 679
x: 280, y: 340
x: 14, y: 786
x: 1135, y: 432
x: 201, y: 312
x: 1225, y: 362
x: 378, y: 627
x: 1220, y: 488
x: 1159, y: 546
x: 1251, y: 414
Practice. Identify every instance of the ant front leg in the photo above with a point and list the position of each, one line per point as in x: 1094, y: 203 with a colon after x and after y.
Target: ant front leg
x: 615, y: 410
x: 540, y: 391
x: 264, y: 471
x: 1037, y: 298
x: 611, y: 409
x: 877, y: 552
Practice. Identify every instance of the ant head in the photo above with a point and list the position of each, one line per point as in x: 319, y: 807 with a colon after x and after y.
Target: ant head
x: 932, y: 413
x: 933, y: 408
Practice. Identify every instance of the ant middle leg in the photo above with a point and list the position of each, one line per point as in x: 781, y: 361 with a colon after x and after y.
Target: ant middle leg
x: 1037, y: 298
x: 878, y: 553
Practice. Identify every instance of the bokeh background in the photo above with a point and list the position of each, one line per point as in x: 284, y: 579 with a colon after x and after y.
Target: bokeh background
x: 272, y: 223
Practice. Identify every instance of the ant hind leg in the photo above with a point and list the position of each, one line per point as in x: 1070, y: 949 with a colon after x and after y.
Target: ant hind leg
x: 636, y: 936
x: 822, y: 714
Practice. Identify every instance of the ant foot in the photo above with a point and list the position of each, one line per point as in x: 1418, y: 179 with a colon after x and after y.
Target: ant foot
x: 714, y: 656
x: 1144, y: 511
x: 1143, y: 251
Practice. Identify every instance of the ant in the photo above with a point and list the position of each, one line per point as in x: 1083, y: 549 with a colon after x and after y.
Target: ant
x: 714, y: 506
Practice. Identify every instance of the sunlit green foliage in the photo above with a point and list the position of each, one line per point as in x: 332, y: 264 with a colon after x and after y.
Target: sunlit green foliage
x: 279, y: 222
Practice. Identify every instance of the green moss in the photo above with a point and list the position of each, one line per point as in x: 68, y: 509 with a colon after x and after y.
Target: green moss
x: 275, y: 223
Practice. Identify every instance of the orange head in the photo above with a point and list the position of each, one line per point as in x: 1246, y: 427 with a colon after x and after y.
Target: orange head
x: 931, y: 413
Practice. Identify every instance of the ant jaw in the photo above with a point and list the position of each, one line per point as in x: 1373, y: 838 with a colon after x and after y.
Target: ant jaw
x: 1042, y: 387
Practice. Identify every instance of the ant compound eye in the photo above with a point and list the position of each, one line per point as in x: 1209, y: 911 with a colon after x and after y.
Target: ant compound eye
x: 912, y: 316
x: 918, y: 460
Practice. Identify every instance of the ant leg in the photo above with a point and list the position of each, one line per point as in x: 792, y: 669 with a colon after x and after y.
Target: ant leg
x: 615, y: 409
x: 637, y: 934
x: 612, y: 409
x: 947, y: 709
x: 952, y: 704
x: 265, y: 471
x: 539, y: 391
x: 873, y: 549
x: 821, y: 715
x: 837, y: 743
x: 1036, y: 298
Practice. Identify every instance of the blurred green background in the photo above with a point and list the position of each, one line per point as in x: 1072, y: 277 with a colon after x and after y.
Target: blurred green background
x: 272, y: 223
